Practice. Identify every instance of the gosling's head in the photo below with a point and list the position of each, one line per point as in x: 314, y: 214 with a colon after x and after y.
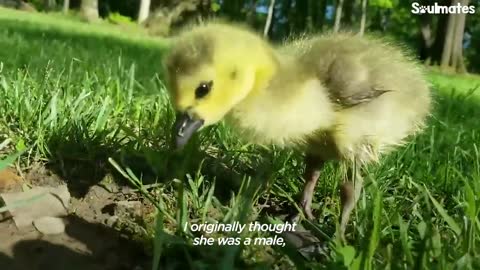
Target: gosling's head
x: 211, y: 69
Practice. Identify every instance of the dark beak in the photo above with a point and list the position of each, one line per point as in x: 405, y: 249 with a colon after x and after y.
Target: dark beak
x: 185, y: 126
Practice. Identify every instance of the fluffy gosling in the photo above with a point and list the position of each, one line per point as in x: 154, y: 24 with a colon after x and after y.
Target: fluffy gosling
x: 336, y: 97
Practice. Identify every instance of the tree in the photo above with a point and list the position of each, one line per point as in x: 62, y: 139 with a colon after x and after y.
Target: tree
x: 433, y: 31
x: 286, y: 11
x: 313, y: 11
x: 205, y: 7
x: 347, y: 16
x: 301, y: 15
x: 49, y: 5
x: 89, y: 10
x: 448, y: 43
x: 426, y: 36
x: 167, y: 16
x: 251, y: 16
x: 269, y: 18
x: 363, y: 19
x: 144, y: 10
x: 457, y: 43
x: 320, y: 21
x: 452, y: 54
x: 383, y: 10
x: 338, y: 16
x: 66, y: 6
x: 233, y: 9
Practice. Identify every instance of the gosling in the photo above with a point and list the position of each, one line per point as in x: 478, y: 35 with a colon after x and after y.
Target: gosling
x: 337, y: 97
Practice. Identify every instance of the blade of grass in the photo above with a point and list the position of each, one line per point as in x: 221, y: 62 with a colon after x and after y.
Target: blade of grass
x: 137, y: 184
x: 158, y: 241
x: 450, y: 221
x: 375, y: 236
x: 208, y: 202
x: 404, y: 239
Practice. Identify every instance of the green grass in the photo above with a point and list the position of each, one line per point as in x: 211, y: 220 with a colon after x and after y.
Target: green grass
x: 89, y: 100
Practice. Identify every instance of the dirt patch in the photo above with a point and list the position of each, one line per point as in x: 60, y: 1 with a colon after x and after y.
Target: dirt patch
x: 9, y: 180
x: 99, y: 231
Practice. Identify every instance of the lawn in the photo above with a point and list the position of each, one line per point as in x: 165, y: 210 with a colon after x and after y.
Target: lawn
x: 88, y: 101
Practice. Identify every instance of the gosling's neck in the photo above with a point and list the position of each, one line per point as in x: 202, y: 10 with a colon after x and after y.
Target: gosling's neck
x: 286, y: 105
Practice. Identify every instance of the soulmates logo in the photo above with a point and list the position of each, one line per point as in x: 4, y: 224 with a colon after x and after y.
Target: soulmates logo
x: 438, y: 9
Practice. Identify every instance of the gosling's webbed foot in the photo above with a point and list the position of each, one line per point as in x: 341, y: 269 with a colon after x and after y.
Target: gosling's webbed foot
x: 307, y: 244
x: 293, y: 218
x: 307, y: 211
x: 349, y: 194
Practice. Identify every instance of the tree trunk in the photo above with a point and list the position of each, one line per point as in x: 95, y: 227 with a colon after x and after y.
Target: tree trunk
x: 269, y: 18
x: 206, y: 8
x: 435, y: 53
x: 348, y: 12
x: 321, y: 14
x: 448, y: 44
x: 313, y: 7
x: 363, y: 19
x: 66, y: 6
x: 312, y: 11
x: 144, y: 10
x: 252, y: 13
x: 457, y: 50
x: 301, y: 14
x: 286, y: 11
x: 338, y: 16
x: 233, y: 9
x: 49, y: 5
x: 426, y: 37
x: 89, y: 10
x: 380, y: 19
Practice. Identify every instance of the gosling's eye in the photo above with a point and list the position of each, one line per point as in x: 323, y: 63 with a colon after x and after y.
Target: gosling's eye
x: 203, y: 89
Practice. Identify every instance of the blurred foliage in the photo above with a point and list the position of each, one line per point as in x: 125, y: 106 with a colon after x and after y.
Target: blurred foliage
x: 383, y: 3
x: 128, y: 8
x: 117, y: 18
x: 472, y: 53
x: 392, y: 18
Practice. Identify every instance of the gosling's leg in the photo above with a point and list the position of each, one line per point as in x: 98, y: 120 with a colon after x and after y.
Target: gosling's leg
x: 312, y: 172
x: 311, y: 175
x: 350, y: 191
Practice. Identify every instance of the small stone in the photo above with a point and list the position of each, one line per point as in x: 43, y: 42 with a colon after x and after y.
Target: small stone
x: 37, y: 202
x: 49, y: 225
x: 129, y: 207
x: 111, y: 221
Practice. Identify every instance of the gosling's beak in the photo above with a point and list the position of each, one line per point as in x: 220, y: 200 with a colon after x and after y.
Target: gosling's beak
x: 185, y: 126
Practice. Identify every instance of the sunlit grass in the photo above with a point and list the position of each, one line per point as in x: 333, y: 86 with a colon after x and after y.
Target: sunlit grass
x: 88, y: 104
x: 67, y: 23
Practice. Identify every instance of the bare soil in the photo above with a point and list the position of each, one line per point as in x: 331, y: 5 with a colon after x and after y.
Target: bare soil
x: 99, y: 230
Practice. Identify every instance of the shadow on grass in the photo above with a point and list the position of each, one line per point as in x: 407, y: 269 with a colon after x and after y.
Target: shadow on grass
x: 84, y: 245
x: 83, y: 162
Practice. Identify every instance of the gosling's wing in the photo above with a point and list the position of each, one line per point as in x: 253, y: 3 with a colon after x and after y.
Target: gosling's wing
x: 347, y: 101
x: 351, y: 82
x: 351, y: 68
